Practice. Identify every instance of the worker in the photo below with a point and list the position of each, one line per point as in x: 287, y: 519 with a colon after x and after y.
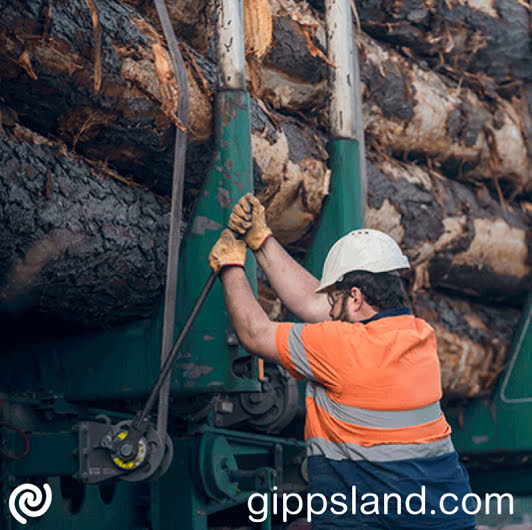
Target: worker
x: 374, y: 424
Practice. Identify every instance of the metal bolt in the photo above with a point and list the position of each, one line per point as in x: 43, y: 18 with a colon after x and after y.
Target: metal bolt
x: 107, y: 442
x: 231, y: 338
x: 225, y: 407
x: 126, y: 450
x: 255, y: 397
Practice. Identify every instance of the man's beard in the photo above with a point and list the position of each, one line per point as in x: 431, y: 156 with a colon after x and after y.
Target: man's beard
x: 344, y: 316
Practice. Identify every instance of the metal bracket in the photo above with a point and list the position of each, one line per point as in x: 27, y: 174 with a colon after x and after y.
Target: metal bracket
x: 100, y: 459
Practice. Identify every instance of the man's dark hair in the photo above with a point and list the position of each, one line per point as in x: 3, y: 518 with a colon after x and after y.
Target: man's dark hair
x: 381, y: 290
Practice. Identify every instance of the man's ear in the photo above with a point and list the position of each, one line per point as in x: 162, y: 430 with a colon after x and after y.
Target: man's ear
x: 358, y: 298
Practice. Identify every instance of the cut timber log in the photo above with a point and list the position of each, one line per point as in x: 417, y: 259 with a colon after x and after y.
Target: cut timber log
x: 473, y: 341
x: 413, y: 110
x: 75, y: 242
x: 291, y: 176
x: 129, y: 120
x: 113, y: 97
x: 489, y: 38
x: 83, y: 244
x: 454, y: 238
x: 191, y: 19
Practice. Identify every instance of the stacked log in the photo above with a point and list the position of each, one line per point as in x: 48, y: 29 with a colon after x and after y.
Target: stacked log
x: 89, y: 111
x: 488, y: 41
x: 72, y: 232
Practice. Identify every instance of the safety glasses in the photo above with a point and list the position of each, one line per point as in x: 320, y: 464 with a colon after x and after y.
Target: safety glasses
x: 333, y: 296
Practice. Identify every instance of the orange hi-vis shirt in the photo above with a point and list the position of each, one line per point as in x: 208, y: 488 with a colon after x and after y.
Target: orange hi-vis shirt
x: 373, y: 390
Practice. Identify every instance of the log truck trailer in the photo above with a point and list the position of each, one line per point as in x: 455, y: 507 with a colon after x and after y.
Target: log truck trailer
x: 78, y: 413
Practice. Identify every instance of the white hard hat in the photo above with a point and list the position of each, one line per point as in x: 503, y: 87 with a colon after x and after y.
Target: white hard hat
x: 361, y: 250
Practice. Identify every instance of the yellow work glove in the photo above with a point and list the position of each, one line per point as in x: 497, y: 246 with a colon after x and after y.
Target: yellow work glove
x: 228, y: 250
x: 248, y: 219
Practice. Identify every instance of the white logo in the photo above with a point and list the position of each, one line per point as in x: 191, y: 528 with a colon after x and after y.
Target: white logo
x: 30, y: 498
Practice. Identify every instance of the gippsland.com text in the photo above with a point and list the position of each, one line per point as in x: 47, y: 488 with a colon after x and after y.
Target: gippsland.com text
x: 312, y: 504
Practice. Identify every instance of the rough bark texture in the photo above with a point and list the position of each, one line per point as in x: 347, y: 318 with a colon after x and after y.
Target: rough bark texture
x: 484, y: 43
x: 291, y: 176
x: 61, y: 209
x: 452, y: 237
x: 192, y: 20
x: 408, y: 109
x: 129, y: 120
x: 75, y: 241
x: 455, y: 238
x: 484, y: 37
x: 122, y: 108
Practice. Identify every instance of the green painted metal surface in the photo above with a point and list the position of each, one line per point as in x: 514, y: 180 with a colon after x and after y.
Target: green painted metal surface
x: 50, y: 453
x: 503, y: 423
x: 343, y: 209
x: 515, y: 481
x: 121, y: 363
x: 175, y: 503
x: 179, y: 498
x: 516, y: 386
x: 206, y: 364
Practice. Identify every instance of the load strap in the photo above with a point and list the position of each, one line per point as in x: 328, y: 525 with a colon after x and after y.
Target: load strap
x: 176, y: 210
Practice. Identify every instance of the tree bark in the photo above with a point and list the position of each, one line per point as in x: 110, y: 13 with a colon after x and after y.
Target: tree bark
x: 485, y: 38
x: 76, y: 242
x: 129, y: 122
x: 455, y: 238
x: 113, y: 99
x: 291, y: 176
x: 191, y: 19
x: 64, y: 212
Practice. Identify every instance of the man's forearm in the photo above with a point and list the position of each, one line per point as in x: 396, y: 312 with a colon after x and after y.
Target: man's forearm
x: 249, y: 321
x: 293, y: 284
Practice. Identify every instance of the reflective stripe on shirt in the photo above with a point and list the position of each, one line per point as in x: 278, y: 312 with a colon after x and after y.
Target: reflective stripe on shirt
x: 297, y: 352
x: 378, y: 419
x: 378, y: 453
